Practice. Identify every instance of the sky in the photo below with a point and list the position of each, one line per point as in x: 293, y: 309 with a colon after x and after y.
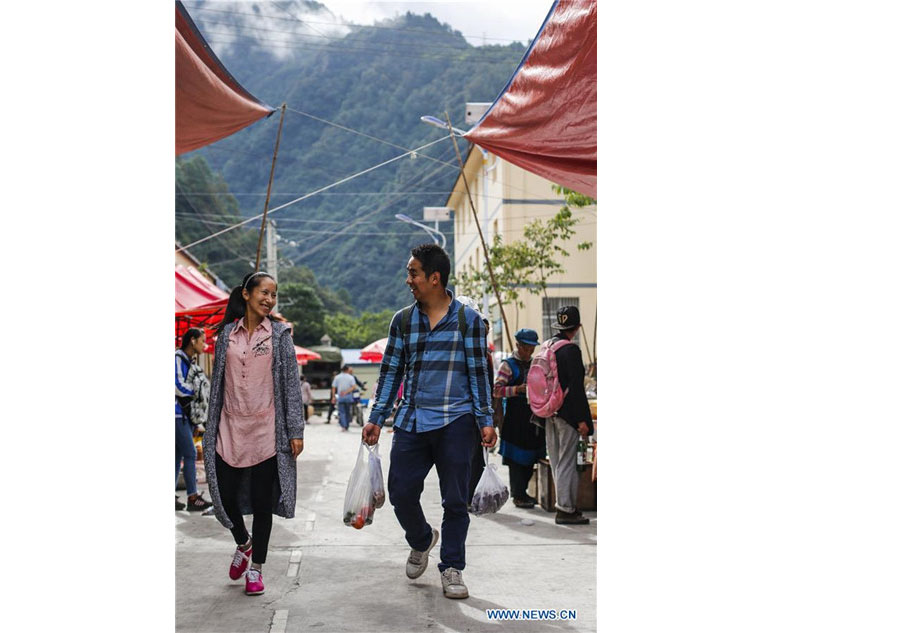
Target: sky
x: 285, y: 23
x: 477, y: 21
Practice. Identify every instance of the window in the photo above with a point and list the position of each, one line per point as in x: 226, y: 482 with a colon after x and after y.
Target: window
x: 550, y: 306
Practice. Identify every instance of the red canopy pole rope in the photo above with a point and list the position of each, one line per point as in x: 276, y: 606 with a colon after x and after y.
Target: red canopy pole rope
x: 487, y: 253
x: 262, y: 228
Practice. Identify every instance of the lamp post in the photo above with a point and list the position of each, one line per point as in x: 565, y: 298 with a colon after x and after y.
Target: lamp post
x: 432, y: 232
x: 438, y: 123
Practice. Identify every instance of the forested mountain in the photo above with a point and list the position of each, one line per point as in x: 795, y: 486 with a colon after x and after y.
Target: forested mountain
x: 378, y: 80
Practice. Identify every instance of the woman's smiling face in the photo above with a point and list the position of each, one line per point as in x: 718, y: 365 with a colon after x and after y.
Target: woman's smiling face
x: 261, y: 300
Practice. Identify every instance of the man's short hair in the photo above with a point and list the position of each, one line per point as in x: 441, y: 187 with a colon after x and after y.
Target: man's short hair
x: 433, y: 259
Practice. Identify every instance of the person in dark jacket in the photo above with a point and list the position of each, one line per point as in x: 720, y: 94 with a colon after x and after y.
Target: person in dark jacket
x: 521, y: 442
x: 572, y: 419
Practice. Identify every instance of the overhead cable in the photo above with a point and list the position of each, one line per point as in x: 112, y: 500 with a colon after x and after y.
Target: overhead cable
x: 312, y: 193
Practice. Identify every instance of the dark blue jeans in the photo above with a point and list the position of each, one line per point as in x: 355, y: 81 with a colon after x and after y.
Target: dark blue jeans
x: 185, y: 450
x: 345, y: 412
x: 412, y: 456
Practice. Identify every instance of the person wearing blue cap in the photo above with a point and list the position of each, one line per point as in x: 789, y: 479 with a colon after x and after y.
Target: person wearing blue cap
x: 522, y: 443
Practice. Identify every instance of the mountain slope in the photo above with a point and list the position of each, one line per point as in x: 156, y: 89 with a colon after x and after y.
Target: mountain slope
x: 378, y: 80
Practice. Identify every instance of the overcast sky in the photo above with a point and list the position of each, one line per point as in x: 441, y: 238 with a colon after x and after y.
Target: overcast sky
x: 501, y: 19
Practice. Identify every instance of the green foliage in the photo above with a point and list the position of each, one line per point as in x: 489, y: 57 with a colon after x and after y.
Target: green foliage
x: 355, y: 332
x: 203, y: 206
x: 528, y: 263
x: 351, y: 242
x: 577, y: 200
x: 300, y: 304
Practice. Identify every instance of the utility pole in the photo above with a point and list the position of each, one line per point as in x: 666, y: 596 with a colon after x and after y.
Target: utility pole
x: 272, y: 251
x: 262, y: 226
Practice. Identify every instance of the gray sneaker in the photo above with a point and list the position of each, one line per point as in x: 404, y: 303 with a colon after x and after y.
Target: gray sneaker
x: 418, y: 561
x: 454, y: 587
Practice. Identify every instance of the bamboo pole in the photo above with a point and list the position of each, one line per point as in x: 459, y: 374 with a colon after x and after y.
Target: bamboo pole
x: 262, y: 228
x: 487, y: 256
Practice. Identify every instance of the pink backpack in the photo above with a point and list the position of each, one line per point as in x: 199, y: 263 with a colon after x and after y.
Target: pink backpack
x: 545, y: 396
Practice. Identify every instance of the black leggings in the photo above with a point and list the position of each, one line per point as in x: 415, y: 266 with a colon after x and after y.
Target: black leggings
x: 262, y: 479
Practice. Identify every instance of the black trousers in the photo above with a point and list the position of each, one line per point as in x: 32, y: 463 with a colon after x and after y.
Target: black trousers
x: 519, y: 476
x: 262, y: 479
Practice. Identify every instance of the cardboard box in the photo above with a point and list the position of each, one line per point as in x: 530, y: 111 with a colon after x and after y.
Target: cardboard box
x: 541, y: 487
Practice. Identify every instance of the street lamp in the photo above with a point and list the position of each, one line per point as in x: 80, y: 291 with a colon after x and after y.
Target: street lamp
x: 428, y: 229
x: 436, y: 122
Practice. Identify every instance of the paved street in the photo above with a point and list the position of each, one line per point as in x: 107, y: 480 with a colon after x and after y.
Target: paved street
x: 323, y: 576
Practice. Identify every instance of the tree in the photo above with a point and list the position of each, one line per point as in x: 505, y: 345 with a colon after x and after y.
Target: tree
x: 529, y: 262
x: 353, y: 332
x: 301, y: 306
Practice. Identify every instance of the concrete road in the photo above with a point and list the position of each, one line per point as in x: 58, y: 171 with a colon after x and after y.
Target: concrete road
x: 324, y: 576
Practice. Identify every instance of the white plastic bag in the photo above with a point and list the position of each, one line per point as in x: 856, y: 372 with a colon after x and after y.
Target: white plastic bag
x: 358, y: 504
x: 490, y: 493
x: 375, y: 476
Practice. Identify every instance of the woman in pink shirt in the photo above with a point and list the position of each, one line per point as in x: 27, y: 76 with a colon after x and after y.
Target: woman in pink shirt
x: 255, y: 424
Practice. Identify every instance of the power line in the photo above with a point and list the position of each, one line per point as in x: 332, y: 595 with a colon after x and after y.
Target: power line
x: 378, y: 209
x: 368, y: 136
x: 262, y: 43
x: 309, y: 195
x: 399, y: 47
x: 327, y: 193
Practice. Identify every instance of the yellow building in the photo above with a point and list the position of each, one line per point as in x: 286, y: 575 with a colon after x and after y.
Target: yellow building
x: 507, y: 198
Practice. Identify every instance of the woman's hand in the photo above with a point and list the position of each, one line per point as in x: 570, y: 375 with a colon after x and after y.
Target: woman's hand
x: 296, y: 448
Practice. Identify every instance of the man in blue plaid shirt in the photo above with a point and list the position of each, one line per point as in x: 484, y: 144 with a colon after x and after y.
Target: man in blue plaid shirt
x: 446, y: 407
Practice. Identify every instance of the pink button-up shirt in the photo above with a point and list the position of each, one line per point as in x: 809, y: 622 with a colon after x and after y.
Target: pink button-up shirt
x: 247, y: 426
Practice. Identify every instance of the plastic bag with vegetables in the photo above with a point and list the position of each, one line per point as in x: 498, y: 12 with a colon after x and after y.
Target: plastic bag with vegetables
x: 359, y: 506
x: 490, y: 493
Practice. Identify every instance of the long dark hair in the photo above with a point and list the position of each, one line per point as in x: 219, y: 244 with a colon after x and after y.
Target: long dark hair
x: 237, y: 307
x: 189, y: 336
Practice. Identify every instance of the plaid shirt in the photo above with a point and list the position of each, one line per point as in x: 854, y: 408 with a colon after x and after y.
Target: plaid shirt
x: 444, y: 377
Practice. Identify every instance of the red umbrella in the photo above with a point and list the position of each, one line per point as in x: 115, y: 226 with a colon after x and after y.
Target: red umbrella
x: 304, y: 355
x: 374, y: 352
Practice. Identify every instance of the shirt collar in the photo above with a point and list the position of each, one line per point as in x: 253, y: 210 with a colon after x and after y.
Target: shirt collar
x: 242, y: 323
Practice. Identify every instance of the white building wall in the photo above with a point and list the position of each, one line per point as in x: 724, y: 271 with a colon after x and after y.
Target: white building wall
x: 507, y: 198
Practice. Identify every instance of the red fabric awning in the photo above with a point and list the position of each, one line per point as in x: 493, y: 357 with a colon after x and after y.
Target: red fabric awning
x: 193, y: 290
x: 304, y: 355
x: 209, y: 103
x: 198, y: 303
x: 545, y: 120
x: 374, y: 352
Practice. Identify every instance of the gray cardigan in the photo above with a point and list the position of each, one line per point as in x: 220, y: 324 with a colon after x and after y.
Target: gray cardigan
x: 289, y: 423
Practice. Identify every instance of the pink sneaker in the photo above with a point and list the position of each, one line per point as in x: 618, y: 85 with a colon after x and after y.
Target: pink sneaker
x: 239, y: 563
x: 254, y: 585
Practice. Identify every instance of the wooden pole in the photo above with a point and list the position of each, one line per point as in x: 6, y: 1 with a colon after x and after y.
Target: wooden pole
x: 487, y: 256
x: 262, y: 228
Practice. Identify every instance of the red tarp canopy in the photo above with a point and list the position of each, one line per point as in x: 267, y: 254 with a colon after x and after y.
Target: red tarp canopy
x: 545, y: 120
x: 193, y: 290
x: 209, y: 103
x: 198, y: 303
x: 305, y: 355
